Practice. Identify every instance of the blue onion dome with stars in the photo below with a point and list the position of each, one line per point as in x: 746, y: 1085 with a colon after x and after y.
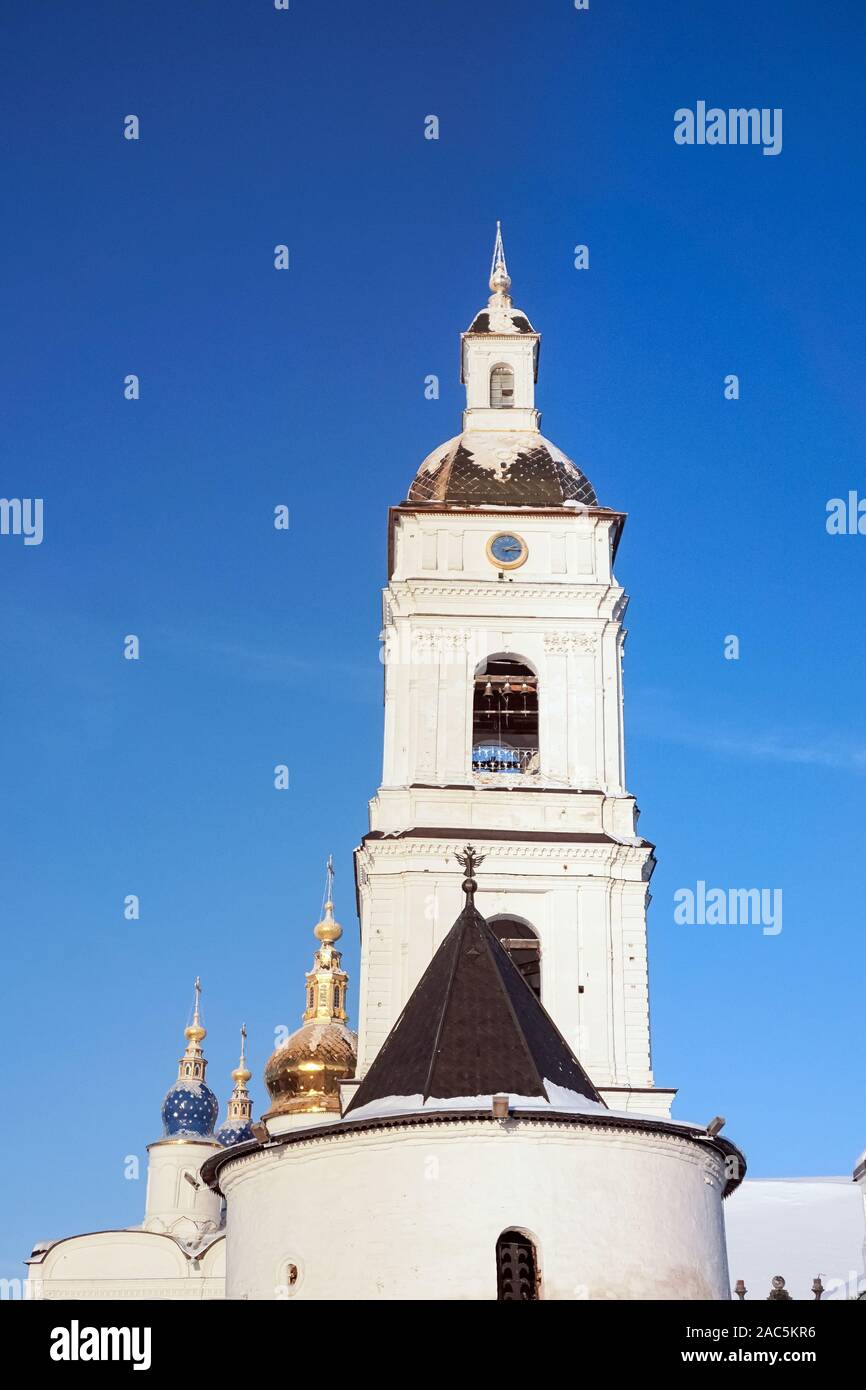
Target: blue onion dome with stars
x: 190, y: 1108
x: 237, y: 1127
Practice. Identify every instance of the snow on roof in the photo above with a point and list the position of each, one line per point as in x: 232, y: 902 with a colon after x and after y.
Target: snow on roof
x: 562, y: 1102
x: 799, y: 1228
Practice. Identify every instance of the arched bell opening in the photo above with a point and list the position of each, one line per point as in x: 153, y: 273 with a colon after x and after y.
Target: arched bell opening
x: 505, y: 716
x: 502, y: 387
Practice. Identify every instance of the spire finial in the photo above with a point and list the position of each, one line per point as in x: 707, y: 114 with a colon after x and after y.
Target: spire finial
x: 469, y: 861
x: 195, y: 1032
x: 500, y: 280
x: 190, y: 1107
x: 237, y: 1126
x: 326, y: 982
x: 192, y: 1064
x: 242, y: 1073
x: 328, y: 931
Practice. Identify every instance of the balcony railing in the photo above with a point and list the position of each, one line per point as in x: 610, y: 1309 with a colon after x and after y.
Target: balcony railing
x: 494, y: 757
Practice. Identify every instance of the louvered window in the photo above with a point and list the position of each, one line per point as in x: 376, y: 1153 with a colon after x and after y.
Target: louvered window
x: 516, y: 1269
x: 501, y: 387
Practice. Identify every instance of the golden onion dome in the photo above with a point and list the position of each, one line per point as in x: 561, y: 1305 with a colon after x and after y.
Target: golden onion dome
x: 303, y: 1075
x: 241, y: 1074
x: 328, y: 931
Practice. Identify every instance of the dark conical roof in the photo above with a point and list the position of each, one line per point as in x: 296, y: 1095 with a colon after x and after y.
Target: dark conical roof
x: 473, y: 1027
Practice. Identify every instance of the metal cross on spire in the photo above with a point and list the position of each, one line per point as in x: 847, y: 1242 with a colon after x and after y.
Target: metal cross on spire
x: 194, y: 1033
x: 241, y: 1073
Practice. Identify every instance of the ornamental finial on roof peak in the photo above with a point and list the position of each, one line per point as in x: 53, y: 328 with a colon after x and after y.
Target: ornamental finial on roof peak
x: 500, y: 280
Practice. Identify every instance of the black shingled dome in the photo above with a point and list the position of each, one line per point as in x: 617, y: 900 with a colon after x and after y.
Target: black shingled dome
x: 472, y: 1027
x: 484, y: 468
x: 519, y: 322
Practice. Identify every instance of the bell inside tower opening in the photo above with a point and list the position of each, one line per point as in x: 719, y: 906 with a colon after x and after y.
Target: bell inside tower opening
x: 505, y: 717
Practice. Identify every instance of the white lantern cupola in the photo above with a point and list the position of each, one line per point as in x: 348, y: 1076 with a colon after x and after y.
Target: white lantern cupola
x: 499, y: 359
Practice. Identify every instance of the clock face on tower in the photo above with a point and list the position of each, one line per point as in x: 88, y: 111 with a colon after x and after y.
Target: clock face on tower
x: 506, y: 551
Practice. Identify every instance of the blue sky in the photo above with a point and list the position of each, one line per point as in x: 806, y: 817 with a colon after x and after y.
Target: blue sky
x: 306, y: 388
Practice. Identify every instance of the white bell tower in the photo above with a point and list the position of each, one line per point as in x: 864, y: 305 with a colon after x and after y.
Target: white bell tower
x: 503, y: 644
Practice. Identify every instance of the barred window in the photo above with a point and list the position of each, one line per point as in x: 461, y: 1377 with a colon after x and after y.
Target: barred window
x: 516, y: 1268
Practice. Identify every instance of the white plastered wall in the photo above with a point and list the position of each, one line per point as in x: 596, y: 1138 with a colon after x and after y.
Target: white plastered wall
x: 415, y: 1213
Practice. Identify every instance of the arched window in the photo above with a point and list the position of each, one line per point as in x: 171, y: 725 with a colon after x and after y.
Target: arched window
x: 505, y: 717
x: 187, y: 1186
x: 523, y: 946
x: 501, y: 387
x: 516, y: 1268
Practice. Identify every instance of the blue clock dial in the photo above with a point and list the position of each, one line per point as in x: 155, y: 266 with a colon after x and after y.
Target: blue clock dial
x: 507, y: 549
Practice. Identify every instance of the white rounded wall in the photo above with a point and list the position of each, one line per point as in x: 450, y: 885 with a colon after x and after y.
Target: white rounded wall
x: 415, y: 1212
x: 177, y: 1200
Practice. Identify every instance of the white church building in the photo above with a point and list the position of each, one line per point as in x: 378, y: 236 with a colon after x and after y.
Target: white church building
x: 494, y: 1130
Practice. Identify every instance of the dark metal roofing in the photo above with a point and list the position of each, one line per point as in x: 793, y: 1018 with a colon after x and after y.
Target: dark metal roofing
x: 472, y: 1027
x: 518, y: 321
x: 478, y: 469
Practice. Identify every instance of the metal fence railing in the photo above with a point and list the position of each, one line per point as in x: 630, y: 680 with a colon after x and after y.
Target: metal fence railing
x: 495, y: 757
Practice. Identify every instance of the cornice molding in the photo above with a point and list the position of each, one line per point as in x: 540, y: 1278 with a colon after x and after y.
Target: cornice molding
x: 525, y: 591
x: 415, y: 848
x: 657, y: 1135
